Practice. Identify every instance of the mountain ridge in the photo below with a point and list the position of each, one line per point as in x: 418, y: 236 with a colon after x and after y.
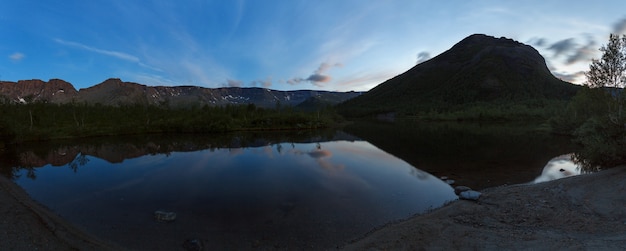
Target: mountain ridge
x: 114, y: 91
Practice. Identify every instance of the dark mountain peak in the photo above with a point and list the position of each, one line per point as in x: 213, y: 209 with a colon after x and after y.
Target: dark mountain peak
x: 60, y: 83
x: 114, y: 91
x: 479, y: 68
x: 115, y: 83
x: 52, y: 83
x: 486, y: 40
x: 112, y: 81
x: 477, y: 47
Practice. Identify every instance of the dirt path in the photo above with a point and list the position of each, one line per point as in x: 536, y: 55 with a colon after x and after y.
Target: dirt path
x: 26, y: 225
x: 586, y: 212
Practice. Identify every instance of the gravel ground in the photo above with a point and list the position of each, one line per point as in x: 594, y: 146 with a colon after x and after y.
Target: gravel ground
x: 586, y: 212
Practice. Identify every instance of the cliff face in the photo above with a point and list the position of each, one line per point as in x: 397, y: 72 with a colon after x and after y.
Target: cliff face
x: 53, y: 91
x: 117, y: 92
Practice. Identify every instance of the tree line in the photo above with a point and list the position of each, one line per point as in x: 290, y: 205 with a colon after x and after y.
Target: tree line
x: 595, y: 116
x: 40, y: 121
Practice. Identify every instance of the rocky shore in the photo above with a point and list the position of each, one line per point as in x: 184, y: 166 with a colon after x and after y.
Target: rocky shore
x: 583, y: 212
x: 27, y: 225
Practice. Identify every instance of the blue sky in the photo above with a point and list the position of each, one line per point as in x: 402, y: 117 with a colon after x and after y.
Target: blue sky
x: 337, y: 45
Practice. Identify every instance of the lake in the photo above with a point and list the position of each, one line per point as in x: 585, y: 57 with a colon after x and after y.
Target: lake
x: 287, y: 190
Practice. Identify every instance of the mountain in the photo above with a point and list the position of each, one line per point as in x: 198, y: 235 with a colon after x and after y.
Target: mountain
x: 116, y: 92
x: 478, y: 69
x: 55, y: 91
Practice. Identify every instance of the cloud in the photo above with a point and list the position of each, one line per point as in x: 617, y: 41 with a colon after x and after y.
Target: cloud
x: 116, y: 54
x: 233, y: 83
x: 323, y: 159
x: 320, y: 153
x: 295, y: 81
x: 318, y: 77
x: 562, y: 47
x: 538, y: 41
x: 422, y: 56
x: 583, y: 53
x: 620, y: 27
x: 326, y: 66
x: 262, y: 83
x: 365, y: 80
x: 17, y: 56
x: 573, y: 52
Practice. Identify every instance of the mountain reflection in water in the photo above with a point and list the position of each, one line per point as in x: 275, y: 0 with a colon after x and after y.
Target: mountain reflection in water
x: 478, y: 155
x: 305, y: 193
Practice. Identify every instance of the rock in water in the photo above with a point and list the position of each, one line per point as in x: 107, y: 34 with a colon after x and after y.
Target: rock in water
x: 469, y: 195
x: 459, y: 189
x: 164, y: 216
x: 193, y: 245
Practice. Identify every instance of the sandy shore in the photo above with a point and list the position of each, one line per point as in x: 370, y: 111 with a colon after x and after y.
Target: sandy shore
x: 585, y: 212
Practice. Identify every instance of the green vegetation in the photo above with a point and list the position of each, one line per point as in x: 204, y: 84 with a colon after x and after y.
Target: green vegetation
x: 595, y: 115
x: 528, y: 110
x: 535, y: 109
x: 39, y: 121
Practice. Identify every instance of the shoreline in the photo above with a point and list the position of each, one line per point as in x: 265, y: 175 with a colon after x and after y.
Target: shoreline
x: 582, y: 212
x: 28, y: 225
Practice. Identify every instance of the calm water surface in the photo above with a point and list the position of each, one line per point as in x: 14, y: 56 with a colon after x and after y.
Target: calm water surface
x: 279, y: 195
x: 301, y: 190
x: 478, y: 155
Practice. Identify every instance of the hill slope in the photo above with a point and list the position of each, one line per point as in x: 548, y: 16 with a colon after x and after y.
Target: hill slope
x: 478, y: 69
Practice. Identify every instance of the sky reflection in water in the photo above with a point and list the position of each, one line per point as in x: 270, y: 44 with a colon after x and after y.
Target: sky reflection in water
x: 559, y: 167
x: 280, y: 195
